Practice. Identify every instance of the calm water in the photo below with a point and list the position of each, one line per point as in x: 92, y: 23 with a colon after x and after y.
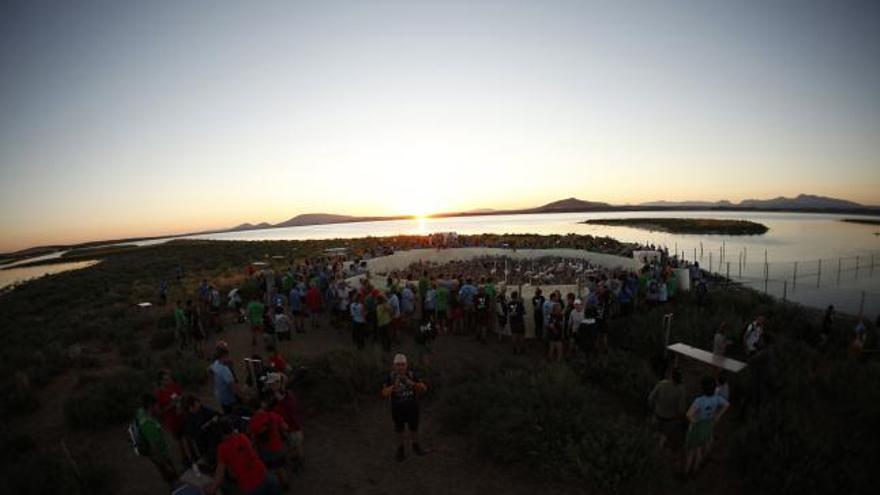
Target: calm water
x: 850, y: 253
x: 14, y: 275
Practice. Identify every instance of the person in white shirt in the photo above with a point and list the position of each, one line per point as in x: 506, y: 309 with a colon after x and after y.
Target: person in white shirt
x: 752, y: 335
x: 720, y: 341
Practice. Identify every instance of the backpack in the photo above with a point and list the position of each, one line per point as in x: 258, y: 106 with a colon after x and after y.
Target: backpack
x: 138, y: 442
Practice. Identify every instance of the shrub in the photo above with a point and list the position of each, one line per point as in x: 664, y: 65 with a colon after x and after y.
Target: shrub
x: 620, y: 371
x: 162, y: 339
x: 548, y: 420
x: 342, y: 377
x: 109, y: 401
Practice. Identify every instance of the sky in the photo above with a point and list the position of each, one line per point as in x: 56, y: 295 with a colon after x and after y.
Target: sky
x: 134, y: 118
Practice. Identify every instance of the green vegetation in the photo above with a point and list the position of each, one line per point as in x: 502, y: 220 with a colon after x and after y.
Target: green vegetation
x: 687, y: 225
x: 547, y: 420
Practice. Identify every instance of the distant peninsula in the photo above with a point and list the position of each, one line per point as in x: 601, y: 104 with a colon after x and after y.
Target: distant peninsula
x: 710, y: 226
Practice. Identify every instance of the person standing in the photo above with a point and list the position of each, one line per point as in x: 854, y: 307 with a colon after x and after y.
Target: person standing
x: 383, y: 322
x: 403, y: 387
x: 358, y: 320
x: 295, y: 303
x: 255, y: 311
x: 752, y: 335
x: 313, y: 303
x: 237, y: 454
x: 442, y: 309
x: 154, y: 438
x: 538, y: 313
x: 667, y: 404
x: 702, y: 415
x: 516, y: 313
x: 225, y: 386
x: 555, y: 333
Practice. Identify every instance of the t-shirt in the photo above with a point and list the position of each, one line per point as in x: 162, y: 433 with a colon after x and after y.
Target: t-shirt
x: 538, y: 305
x: 394, y: 303
x: 383, y: 314
x: 278, y: 363
x: 295, y: 300
x: 193, y: 428
x: 430, y: 299
x: 224, y: 383
x: 237, y: 453
x: 255, y: 312
x: 466, y: 294
x: 266, y: 427
x: 442, y: 298
x: 706, y: 406
x: 752, y: 337
x: 180, y: 320
x: 288, y: 408
x: 357, y: 312
x: 172, y: 419
x: 151, y: 432
x: 516, y: 312
x: 405, y: 395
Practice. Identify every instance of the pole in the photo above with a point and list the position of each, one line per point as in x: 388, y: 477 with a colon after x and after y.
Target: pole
x: 819, y: 274
x: 740, y: 264
x: 695, y: 255
x: 701, y: 249
x: 728, y: 272
x: 857, y: 267
x: 723, y: 251
x: 794, y: 278
x: 710, y: 262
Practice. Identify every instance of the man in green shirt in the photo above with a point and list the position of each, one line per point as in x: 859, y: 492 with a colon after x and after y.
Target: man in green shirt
x: 255, y: 311
x: 154, y: 445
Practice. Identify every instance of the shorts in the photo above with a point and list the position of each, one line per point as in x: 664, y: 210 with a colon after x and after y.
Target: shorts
x: 699, y: 433
x: 406, y: 416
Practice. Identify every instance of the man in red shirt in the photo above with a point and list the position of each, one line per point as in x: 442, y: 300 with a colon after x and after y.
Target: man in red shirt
x: 237, y: 454
x: 288, y: 407
x: 168, y: 396
x: 267, y: 429
x: 313, y: 302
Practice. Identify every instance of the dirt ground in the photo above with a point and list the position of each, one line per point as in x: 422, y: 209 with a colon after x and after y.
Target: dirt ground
x: 346, y: 453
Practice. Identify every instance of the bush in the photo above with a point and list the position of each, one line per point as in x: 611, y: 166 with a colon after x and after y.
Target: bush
x: 44, y: 473
x: 620, y: 371
x: 341, y: 377
x: 162, y: 339
x: 548, y: 420
x: 111, y: 400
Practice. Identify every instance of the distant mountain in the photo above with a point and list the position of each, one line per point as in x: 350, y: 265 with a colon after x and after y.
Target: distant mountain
x: 318, y: 219
x: 801, y: 201
x: 572, y: 204
x: 481, y: 210
x: 250, y: 226
x: 687, y: 204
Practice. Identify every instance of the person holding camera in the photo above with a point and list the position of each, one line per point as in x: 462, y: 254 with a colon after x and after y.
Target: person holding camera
x: 403, y: 388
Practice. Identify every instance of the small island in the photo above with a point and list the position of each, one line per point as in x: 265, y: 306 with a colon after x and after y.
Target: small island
x: 686, y: 225
x: 865, y: 221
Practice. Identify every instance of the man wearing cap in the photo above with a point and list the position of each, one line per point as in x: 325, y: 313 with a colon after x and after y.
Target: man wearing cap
x: 403, y: 388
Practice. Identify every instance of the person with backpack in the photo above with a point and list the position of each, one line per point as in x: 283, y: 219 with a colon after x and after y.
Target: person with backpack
x: 267, y: 429
x: 236, y: 454
x: 403, y: 388
x: 149, y: 438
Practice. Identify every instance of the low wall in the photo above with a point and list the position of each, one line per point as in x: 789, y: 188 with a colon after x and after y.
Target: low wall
x: 403, y: 259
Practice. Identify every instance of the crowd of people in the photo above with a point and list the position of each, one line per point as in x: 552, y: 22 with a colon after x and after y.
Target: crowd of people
x: 254, y: 436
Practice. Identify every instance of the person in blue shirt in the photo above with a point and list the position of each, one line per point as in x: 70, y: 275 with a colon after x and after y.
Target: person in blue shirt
x: 295, y: 303
x: 225, y: 386
x: 702, y: 415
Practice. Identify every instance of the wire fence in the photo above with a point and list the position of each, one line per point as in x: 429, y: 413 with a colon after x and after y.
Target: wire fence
x: 851, y: 283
